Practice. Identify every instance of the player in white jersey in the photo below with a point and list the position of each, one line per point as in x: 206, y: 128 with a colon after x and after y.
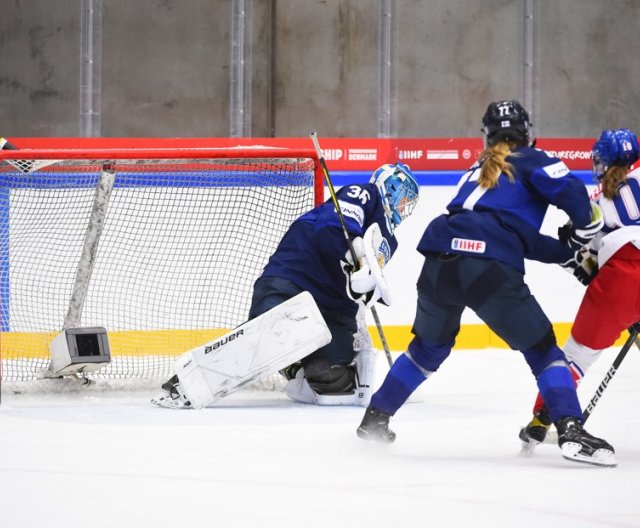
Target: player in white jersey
x: 610, y: 265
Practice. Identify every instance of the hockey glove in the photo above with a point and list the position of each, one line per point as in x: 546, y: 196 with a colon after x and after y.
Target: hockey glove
x: 576, y: 238
x: 583, y: 265
x: 350, y: 269
x: 378, y: 290
x: 363, y: 284
x: 368, y: 282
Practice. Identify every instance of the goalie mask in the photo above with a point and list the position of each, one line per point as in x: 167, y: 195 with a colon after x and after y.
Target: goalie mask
x: 614, y: 148
x: 506, y: 121
x: 398, y: 189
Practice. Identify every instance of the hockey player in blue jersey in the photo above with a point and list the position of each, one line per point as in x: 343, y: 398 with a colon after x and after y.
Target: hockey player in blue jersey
x: 474, y: 257
x: 313, y: 256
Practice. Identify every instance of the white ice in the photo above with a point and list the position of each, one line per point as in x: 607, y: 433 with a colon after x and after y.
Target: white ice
x: 107, y: 458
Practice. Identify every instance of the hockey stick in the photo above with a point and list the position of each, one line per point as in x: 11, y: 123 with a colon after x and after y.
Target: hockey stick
x: 23, y: 165
x: 634, y: 329
x: 352, y: 251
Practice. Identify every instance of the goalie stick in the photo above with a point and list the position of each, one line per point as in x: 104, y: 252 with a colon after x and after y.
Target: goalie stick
x: 352, y: 251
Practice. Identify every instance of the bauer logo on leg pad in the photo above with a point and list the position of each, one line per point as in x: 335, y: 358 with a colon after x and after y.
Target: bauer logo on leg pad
x: 223, y: 341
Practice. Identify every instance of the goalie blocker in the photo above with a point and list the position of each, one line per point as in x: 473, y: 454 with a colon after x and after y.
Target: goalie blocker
x: 264, y: 345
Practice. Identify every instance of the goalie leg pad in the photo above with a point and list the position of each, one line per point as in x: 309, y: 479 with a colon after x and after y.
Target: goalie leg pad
x: 365, y: 375
x: 298, y: 389
x: 264, y: 345
x: 325, y: 378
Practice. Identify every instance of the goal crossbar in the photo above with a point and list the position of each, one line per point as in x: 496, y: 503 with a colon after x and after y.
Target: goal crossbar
x: 158, y: 153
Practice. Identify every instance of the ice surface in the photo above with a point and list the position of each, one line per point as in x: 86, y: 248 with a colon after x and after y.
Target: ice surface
x: 105, y: 457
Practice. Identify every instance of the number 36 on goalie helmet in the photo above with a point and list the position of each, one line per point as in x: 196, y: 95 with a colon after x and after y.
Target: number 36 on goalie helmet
x: 398, y: 189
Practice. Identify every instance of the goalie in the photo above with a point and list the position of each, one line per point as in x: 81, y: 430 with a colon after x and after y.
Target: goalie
x: 313, y: 257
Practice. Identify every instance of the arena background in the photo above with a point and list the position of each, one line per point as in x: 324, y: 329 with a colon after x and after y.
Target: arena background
x: 356, y: 71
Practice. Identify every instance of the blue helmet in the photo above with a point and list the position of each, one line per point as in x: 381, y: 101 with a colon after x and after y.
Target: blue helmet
x: 399, y: 190
x: 614, y: 148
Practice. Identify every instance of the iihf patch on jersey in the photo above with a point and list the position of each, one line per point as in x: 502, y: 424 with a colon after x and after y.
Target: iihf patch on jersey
x: 472, y: 246
x: 352, y: 211
x: 556, y: 170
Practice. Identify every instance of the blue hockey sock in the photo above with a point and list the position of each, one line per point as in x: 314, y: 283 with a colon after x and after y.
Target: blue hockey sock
x: 558, y: 390
x: 403, y: 378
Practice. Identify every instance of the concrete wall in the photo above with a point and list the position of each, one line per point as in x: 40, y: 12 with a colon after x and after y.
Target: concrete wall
x: 39, y: 68
x: 315, y: 65
x: 165, y: 68
x: 456, y: 58
x: 589, y: 66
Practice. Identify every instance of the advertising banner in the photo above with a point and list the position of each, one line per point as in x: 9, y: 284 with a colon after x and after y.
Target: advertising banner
x: 349, y: 154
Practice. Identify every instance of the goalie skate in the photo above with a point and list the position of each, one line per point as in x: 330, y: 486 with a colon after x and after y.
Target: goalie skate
x: 172, y: 396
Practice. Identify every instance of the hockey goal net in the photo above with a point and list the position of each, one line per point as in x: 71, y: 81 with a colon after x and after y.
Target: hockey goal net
x: 159, y: 246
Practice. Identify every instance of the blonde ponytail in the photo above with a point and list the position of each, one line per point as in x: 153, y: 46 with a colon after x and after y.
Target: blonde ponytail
x: 494, y: 162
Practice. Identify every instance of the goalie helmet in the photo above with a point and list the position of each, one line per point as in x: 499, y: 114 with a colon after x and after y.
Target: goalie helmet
x: 398, y: 189
x: 614, y: 148
x: 506, y: 121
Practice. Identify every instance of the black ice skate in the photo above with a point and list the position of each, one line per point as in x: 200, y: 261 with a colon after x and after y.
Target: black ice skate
x: 580, y: 446
x: 172, y: 396
x: 534, y: 432
x: 375, y: 426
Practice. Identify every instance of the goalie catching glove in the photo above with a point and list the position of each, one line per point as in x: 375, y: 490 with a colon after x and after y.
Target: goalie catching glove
x: 367, y: 283
x: 576, y: 238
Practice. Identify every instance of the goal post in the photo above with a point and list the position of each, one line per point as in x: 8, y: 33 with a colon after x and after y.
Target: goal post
x: 160, y: 246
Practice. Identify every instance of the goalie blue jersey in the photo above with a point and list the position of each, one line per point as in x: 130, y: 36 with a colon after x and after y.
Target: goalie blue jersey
x: 503, y: 223
x: 313, y: 250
